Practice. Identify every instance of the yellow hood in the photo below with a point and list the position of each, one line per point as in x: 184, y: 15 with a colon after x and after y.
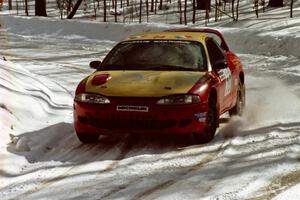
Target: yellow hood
x: 144, y: 83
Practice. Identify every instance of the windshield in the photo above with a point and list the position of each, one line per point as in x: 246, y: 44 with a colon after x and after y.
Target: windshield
x: 156, y: 55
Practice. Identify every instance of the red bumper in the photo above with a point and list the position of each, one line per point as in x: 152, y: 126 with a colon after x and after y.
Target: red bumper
x: 105, y: 119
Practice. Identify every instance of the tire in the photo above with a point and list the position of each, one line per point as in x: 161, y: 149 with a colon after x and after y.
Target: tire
x: 87, y: 138
x: 212, y: 122
x: 239, y: 107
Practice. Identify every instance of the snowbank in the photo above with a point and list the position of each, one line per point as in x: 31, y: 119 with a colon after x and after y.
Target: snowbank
x: 265, y: 41
x: 29, y: 101
x: 65, y: 28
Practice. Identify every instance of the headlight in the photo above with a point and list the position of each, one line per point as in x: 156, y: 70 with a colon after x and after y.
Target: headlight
x: 179, y: 100
x: 92, y: 98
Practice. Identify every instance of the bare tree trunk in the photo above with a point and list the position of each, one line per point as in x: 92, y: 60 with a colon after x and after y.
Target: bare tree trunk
x: 26, y: 7
x: 131, y: 12
x: 292, y: 4
x: 140, y: 14
x: 147, y: 10
x: 275, y: 3
x: 203, y: 4
x: 40, y: 8
x: 180, y: 11
x: 256, y: 7
x: 194, y: 11
x: 216, y: 10
x: 74, y: 10
x: 60, y: 7
x: 184, y: 14
x: 104, y: 11
x: 9, y: 4
x: 152, y: 6
x: 116, y: 16
x: 232, y: 9
x: 95, y: 9
x: 17, y: 4
x: 160, y: 5
x: 237, y: 10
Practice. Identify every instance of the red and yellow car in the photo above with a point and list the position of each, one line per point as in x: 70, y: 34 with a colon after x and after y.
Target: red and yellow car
x: 172, y: 82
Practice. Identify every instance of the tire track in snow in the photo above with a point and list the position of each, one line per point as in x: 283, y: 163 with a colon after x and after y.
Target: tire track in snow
x: 167, y: 183
x: 126, y: 149
x: 46, y: 183
x: 279, y: 185
x: 181, y: 175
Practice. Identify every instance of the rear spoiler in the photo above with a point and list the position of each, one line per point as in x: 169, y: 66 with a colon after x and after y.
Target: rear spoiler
x: 203, y: 30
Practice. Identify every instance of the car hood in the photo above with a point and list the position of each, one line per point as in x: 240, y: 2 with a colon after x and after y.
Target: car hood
x: 141, y: 83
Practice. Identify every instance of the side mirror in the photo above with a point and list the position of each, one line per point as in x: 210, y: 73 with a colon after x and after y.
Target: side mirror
x: 220, y: 64
x: 95, y: 64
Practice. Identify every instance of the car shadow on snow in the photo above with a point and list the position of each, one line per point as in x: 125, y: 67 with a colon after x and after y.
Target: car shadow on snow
x: 59, y: 142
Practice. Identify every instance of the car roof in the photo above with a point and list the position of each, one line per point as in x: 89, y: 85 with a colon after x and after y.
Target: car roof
x: 170, y: 35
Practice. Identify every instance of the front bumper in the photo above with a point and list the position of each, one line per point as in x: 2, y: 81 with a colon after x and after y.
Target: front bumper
x: 159, y: 119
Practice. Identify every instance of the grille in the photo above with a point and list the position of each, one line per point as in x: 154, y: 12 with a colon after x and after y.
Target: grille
x: 129, y: 122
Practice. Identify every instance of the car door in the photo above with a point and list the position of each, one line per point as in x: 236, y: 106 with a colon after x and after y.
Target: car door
x: 224, y: 75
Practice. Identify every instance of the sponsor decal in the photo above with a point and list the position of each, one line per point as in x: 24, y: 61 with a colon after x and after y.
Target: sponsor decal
x: 201, y: 116
x: 132, y: 108
x: 183, y: 37
x: 179, y: 37
x: 136, y: 36
x: 225, y: 74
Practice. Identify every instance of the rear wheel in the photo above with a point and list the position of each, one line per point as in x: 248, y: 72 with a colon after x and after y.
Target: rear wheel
x: 239, y: 107
x: 212, y: 122
x: 87, y: 138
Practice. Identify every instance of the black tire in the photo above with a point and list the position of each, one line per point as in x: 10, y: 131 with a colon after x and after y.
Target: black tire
x: 87, y: 138
x: 212, y: 122
x: 239, y: 107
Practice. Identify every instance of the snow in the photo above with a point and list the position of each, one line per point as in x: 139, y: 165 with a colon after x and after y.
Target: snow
x: 254, y: 156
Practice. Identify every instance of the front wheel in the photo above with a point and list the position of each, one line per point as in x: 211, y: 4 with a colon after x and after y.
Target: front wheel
x: 87, y: 138
x: 212, y: 122
x: 239, y: 107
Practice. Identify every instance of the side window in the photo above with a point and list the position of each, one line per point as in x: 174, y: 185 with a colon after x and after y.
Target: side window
x: 214, y: 50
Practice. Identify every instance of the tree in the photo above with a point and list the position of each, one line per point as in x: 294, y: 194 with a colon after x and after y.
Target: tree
x: 291, y: 12
x: 9, y: 4
x: 194, y: 11
x: 104, y: 10
x: 74, y: 10
x: 275, y: 3
x: 40, y: 8
x: 203, y: 4
x: 26, y: 7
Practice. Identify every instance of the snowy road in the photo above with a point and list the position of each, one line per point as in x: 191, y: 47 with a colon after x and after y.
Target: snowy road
x: 254, y: 157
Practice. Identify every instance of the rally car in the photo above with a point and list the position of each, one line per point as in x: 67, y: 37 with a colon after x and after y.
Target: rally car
x: 172, y: 82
